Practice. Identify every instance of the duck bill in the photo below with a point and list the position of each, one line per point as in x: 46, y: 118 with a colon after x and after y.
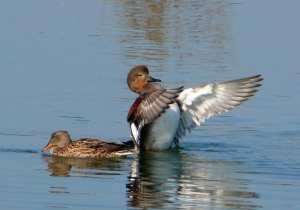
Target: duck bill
x: 48, y: 146
x: 151, y: 79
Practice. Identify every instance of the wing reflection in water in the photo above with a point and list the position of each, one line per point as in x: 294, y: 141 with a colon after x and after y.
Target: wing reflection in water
x: 61, y: 166
x: 175, y: 180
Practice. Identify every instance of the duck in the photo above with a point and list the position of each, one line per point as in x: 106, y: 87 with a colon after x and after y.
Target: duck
x: 160, y: 117
x: 60, y: 144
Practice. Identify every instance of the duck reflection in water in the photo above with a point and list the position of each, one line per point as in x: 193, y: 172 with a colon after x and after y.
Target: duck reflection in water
x: 172, y: 179
x: 168, y: 179
x: 70, y: 166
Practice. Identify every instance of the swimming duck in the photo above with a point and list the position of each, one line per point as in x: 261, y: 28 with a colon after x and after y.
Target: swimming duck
x: 60, y: 144
x: 160, y: 117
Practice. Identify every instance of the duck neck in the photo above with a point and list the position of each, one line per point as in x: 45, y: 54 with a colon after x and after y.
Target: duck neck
x: 149, y: 88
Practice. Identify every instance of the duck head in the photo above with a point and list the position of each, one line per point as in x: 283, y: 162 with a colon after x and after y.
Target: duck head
x: 58, y: 139
x: 139, y: 77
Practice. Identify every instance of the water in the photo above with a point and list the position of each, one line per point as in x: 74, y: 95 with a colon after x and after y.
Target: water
x: 63, y: 65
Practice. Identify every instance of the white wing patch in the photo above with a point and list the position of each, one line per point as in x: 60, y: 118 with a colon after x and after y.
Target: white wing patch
x: 188, y: 96
x: 135, y: 133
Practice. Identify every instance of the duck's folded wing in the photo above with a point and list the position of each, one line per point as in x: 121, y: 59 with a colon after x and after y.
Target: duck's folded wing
x: 155, y: 104
x: 146, y: 109
x: 200, y: 103
x: 88, y: 145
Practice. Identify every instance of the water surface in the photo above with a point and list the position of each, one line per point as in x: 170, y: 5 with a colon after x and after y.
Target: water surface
x: 63, y: 65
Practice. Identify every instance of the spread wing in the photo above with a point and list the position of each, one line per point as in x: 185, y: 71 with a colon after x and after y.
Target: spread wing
x: 146, y: 109
x: 200, y: 103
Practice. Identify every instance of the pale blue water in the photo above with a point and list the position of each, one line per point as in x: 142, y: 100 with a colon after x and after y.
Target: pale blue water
x: 63, y: 65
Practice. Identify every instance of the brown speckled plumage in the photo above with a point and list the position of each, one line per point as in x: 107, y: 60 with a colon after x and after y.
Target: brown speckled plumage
x: 61, y: 145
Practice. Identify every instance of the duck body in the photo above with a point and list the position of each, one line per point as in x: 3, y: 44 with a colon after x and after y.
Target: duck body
x: 60, y: 144
x: 159, y: 134
x: 160, y: 117
x: 154, y: 117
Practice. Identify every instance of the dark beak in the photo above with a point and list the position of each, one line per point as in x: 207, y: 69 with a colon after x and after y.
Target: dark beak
x: 151, y: 79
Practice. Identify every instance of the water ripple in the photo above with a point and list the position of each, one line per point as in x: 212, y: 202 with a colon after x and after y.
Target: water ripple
x: 14, y: 134
x: 18, y: 150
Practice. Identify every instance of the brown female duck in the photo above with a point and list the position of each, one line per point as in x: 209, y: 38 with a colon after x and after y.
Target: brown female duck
x: 60, y: 144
